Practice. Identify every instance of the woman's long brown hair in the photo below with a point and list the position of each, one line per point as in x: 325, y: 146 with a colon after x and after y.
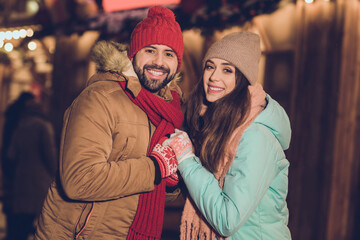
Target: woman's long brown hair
x: 211, y: 132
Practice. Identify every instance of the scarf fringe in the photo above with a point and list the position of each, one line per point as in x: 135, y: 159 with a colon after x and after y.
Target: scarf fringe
x: 189, y: 232
x: 133, y: 235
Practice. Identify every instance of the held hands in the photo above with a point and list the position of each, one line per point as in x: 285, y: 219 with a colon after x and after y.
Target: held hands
x: 181, y: 144
x: 169, y: 152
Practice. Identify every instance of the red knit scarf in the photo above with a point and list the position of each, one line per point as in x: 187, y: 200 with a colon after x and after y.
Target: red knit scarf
x: 166, y: 116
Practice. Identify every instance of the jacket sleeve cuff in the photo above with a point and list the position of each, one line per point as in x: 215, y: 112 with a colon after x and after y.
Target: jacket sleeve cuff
x: 157, y: 179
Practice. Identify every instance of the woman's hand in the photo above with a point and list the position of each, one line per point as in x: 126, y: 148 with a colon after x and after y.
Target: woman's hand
x: 181, y: 145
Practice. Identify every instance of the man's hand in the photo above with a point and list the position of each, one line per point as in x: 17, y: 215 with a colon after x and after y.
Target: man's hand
x: 165, y: 158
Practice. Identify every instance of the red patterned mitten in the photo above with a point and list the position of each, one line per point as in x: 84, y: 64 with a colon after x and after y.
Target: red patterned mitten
x: 166, y: 159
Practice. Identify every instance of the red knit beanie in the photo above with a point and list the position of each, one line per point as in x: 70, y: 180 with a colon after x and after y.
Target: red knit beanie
x: 159, y: 27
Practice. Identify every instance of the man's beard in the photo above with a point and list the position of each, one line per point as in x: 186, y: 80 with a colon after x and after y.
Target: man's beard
x: 150, y: 84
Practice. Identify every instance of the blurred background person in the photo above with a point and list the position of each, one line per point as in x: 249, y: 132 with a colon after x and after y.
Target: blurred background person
x: 12, y: 117
x: 33, y: 160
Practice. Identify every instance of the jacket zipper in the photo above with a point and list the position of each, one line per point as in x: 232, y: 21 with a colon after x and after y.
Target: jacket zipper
x: 148, y: 148
x: 77, y: 234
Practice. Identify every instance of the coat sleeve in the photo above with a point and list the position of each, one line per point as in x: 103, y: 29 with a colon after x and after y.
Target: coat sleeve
x: 85, y: 172
x: 246, y: 182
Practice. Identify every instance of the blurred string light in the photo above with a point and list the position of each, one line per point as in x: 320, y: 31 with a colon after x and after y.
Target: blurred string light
x: 29, y: 32
x: 8, y: 47
x: 22, y: 33
x: 32, y: 6
x: 16, y: 34
x: 312, y: 1
x: 32, y: 45
x: 9, y: 34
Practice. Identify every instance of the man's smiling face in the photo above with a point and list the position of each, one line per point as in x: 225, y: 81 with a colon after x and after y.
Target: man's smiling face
x: 155, y: 66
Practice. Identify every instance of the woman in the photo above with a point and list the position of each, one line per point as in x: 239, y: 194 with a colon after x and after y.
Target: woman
x: 233, y: 160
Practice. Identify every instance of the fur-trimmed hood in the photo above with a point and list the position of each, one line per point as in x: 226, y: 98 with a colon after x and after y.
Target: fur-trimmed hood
x: 110, y: 57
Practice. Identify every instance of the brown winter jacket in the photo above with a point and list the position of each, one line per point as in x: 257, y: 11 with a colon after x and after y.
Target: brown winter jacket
x: 103, y: 162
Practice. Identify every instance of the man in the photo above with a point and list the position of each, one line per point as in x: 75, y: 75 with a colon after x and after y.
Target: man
x: 113, y: 171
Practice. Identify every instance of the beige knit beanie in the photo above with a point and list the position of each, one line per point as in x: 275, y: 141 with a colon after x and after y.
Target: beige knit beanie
x: 242, y: 49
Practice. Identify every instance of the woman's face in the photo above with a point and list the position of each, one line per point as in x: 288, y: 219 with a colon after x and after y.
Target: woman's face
x: 219, y: 79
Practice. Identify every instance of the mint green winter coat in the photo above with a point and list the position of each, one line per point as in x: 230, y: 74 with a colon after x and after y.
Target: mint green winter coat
x: 252, y: 204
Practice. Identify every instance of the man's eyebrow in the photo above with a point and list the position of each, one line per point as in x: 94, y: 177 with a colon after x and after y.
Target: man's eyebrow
x: 170, y: 50
x: 166, y: 50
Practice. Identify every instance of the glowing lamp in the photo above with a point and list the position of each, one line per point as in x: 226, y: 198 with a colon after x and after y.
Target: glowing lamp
x: 118, y: 5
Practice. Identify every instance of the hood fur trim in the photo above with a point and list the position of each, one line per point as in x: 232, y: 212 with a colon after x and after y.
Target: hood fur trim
x: 110, y: 57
